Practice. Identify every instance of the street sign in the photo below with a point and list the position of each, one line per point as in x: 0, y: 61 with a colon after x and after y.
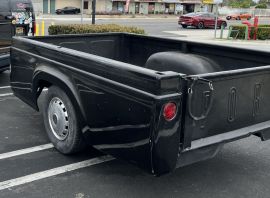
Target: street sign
x: 218, y: 1
x: 208, y: 1
x: 212, y: 1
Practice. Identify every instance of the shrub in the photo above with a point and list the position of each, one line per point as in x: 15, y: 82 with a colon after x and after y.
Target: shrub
x: 261, y: 6
x: 87, y: 28
x: 241, y: 29
x: 262, y: 33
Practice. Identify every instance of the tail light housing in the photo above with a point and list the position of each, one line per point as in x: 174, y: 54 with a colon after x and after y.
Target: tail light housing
x: 169, y: 111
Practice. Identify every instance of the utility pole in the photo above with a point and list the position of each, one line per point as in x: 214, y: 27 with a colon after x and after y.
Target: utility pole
x: 93, y: 11
x: 216, y: 2
x: 82, y: 12
x: 216, y: 20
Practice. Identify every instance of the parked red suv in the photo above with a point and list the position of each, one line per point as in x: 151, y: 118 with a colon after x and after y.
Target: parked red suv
x: 200, y: 20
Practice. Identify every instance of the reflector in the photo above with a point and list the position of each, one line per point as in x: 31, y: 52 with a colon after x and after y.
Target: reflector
x: 169, y: 111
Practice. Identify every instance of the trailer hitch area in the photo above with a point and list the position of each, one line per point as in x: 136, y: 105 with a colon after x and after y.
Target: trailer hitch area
x: 193, y: 81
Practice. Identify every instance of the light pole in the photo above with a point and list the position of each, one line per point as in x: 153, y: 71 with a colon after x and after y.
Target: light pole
x: 216, y: 20
x: 82, y: 12
x: 216, y: 2
x: 93, y: 11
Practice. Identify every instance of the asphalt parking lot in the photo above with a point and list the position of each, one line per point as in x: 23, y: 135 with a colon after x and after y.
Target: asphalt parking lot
x: 164, y: 27
x: 31, y: 167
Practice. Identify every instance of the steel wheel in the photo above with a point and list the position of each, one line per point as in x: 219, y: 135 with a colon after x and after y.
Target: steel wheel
x: 61, y: 121
x: 58, y: 119
x: 200, y: 25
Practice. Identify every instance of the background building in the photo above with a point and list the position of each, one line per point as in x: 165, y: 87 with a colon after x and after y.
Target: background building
x: 49, y: 6
x: 148, y: 6
x: 118, y: 6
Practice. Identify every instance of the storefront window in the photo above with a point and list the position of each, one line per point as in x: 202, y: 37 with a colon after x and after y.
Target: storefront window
x: 85, y: 5
x: 151, y: 8
x: 169, y: 8
x: 137, y: 8
x: 189, y: 8
x: 118, y: 6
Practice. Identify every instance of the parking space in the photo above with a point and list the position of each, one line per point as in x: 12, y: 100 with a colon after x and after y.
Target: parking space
x: 31, y: 167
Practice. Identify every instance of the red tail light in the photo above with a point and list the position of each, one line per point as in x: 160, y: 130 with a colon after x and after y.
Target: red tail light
x: 169, y: 111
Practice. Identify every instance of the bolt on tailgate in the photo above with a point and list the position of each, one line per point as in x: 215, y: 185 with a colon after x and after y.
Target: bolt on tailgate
x: 226, y: 102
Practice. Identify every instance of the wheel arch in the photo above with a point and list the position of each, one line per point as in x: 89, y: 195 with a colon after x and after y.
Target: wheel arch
x: 46, y: 77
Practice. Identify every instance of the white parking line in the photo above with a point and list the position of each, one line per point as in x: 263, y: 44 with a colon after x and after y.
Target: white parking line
x: 53, y: 172
x: 6, y: 94
x: 5, y: 87
x: 25, y: 151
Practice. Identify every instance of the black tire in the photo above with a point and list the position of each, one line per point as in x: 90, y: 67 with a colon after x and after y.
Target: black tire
x: 238, y: 18
x: 184, y: 26
x: 59, y: 113
x: 200, y: 25
x: 228, y: 17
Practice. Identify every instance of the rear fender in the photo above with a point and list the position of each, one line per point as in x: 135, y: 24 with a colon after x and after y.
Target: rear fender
x: 45, y: 76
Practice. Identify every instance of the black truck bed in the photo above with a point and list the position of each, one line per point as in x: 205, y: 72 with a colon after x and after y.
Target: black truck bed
x: 120, y: 84
x: 137, y: 49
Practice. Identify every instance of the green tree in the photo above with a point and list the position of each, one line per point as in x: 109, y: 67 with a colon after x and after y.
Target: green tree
x: 261, y: 6
x: 241, y: 3
x: 262, y: 1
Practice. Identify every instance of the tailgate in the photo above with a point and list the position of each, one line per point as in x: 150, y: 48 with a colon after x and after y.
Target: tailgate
x: 238, y: 106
